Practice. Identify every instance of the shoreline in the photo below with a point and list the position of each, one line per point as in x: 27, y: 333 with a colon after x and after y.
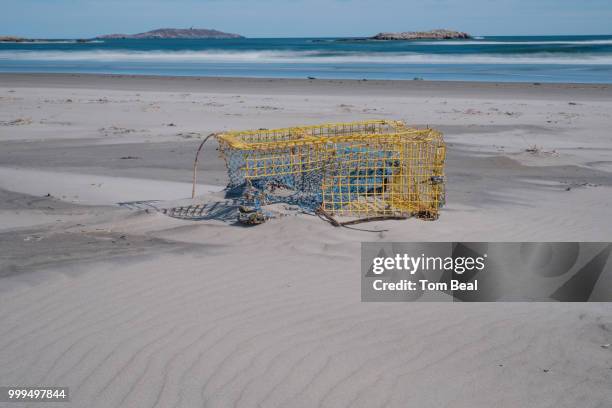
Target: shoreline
x: 284, y: 86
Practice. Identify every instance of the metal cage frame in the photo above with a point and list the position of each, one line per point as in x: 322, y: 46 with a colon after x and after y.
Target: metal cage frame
x: 356, y: 169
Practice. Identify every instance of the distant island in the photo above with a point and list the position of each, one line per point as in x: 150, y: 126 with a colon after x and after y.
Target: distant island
x: 163, y: 33
x: 423, y: 35
x: 13, y: 39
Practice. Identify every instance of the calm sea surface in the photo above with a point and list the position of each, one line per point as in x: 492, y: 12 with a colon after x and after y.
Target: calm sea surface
x: 520, y: 59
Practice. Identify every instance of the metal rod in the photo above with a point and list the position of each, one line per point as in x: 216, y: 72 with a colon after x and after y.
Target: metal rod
x: 195, y: 163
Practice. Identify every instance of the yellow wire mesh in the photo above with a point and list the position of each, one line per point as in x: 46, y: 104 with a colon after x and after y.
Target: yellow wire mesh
x: 357, y: 169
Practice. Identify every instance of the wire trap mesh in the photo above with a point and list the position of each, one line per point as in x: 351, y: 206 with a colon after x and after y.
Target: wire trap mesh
x: 359, y: 169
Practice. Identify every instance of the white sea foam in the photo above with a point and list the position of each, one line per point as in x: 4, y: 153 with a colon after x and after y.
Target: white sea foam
x: 309, y: 57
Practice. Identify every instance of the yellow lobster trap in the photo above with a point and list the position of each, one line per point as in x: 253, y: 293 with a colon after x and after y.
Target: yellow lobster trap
x: 358, y: 169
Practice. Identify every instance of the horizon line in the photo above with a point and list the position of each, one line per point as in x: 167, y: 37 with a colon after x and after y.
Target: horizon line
x: 286, y: 37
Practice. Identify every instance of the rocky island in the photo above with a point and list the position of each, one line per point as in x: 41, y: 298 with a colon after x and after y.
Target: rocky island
x: 163, y: 33
x: 423, y: 35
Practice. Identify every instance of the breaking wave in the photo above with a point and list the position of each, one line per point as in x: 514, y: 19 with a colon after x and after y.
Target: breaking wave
x: 307, y: 57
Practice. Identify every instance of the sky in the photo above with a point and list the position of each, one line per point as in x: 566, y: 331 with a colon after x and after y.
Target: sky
x: 304, y: 18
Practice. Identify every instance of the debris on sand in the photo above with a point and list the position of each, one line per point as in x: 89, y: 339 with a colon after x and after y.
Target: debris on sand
x: 189, y: 135
x: 268, y: 107
x: 32, y: 238
x: 571, y: 186
x: 250, y: 215
x: 16, y: 122
x: 539, y: 151
x: 116, y: 130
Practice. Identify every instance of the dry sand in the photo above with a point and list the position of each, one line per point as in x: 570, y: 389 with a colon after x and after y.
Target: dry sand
x: 131, y: 308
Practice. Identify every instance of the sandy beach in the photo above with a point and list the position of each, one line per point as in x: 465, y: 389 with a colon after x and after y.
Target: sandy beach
x: 104, y: 294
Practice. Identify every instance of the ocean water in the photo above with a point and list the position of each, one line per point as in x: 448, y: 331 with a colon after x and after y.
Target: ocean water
x: 585, y: 59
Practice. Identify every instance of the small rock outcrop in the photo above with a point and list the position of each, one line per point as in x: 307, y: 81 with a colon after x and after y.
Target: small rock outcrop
x: 14, y: 39
x: 423, y: 35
